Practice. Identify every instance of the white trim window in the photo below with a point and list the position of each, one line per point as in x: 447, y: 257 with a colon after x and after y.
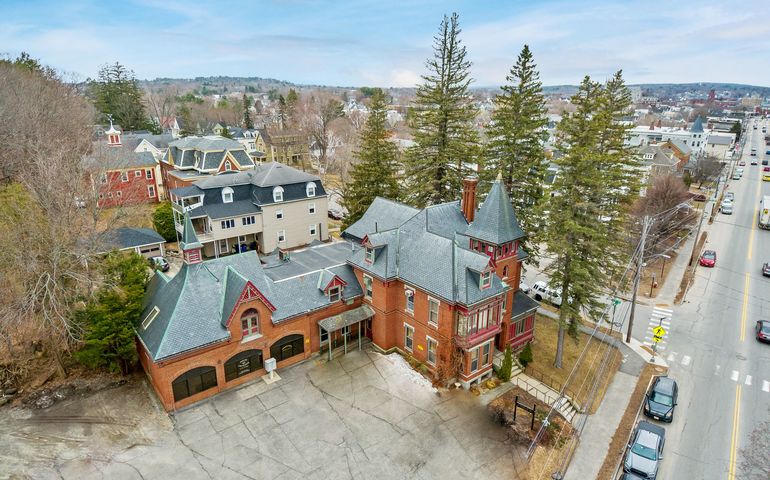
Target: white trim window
x: 148, y: 174
x: 409, y: 300
x: 408, y: 337
x: 485, y: 280
x: 369, y: 255
x: 278, y: 194
x: 279, y: 214
x: 432, y: 348
x: 151, y: 191
x: 124, y: 177
x: 119, y: 194
x: 227, y: 195
x: 229, y: 223
x: 281, y: 236
x: 335, y: 294
x: 137, y: 173
x: 313, y: 230
x: 311, y: 208
x: 228, y: 166
x: 433, y: 307
x: 368, y: 287
x: 310, y: 189
x: 481, y: 356
x: 249, y: 220
x: 150, y: 317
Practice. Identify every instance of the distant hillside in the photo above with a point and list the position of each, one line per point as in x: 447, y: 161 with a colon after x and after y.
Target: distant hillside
x: 667, y: 90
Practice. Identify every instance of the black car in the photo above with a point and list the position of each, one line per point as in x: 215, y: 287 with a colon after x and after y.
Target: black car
x: 661, y: 399
x: 763, y: 331
x: 766, y: 269
x: 645, y: 450
x: 764, y: 162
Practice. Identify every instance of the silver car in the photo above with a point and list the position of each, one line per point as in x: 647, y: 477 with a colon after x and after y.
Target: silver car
x: 726, y: 207
x: 645, y: 450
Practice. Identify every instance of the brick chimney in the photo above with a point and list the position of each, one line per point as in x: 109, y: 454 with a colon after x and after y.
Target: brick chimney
x: 468, y: 203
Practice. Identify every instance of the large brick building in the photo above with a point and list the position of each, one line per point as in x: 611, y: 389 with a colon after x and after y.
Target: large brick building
x: 440, y: 284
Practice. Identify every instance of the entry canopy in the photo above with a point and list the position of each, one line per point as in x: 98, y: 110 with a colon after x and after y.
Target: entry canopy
x: 345, y: 319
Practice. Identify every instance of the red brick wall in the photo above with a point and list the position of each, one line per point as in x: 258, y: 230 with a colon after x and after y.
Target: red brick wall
x: 116, y: 192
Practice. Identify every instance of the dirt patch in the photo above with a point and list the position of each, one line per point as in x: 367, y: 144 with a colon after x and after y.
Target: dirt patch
x: 654, y: 276
x: 72, y: 387
x: 627, y: 422
x: 542, y: 369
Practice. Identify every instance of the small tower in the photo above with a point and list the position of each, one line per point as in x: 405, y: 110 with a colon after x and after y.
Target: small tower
x: 191, y: 247
x: 113, y: 135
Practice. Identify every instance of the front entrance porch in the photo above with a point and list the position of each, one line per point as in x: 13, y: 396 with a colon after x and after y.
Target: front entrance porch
x: 351, y: 327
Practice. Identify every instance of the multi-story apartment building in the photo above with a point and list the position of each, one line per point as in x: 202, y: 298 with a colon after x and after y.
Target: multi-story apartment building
x: 194, y: 158
x: 285, y: 146
x: 269, y: 207
x: 439, y: 284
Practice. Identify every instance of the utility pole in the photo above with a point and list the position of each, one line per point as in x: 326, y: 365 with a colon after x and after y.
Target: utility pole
x: 637, y: 276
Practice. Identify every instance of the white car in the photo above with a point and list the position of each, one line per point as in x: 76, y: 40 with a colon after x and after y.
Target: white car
x: 541, y: 291
x: 726, y: 208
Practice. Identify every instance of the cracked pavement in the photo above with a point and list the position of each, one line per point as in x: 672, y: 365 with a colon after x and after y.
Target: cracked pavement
x: 360, y: 416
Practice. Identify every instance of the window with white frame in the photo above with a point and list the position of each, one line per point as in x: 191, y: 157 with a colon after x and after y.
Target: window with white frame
x: 408, y: 337
x: 481, y: 356
x: 313, y: 229
x: 334, y: 294
x: 409, y: 301
x: 124, y: 177
x: 369, y: 255
x: 250, y: 322
x: 311, y: 208
x: 433, y: 305
x: 249, y: 220
x: 138, y: 173
x: 368, y: 287
x: 486, y: 280
x: 279, y: 214
x: 310, y: 189
x: 229, y: 223
x: 278, y: 194
x: 148, y: 174
x: 281, y: 236
x: 227, y: 195
x: 228, y: 166
x: 150, y: 317
x: 432, y: 347
x: 150, y: 191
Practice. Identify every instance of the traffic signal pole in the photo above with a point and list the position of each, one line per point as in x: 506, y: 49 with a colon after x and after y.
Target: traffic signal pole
x: 637, y: 276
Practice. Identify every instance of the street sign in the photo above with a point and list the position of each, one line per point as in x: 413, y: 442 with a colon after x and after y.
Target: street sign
x: 658, y: 331
x: 616, y: 301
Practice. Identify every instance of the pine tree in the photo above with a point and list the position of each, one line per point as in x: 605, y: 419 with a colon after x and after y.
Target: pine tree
x: 247, y: 123
x: 506, y: 366
x: 446, y: 141
x: 374, y: 174
x: 516, y: 137
x: 117, y: 93
x: 575, y: 233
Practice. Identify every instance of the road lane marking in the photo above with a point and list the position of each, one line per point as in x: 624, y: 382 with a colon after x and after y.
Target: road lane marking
x: 717, y: 370
x: 751, y: 233
x: 671, y: 357
x: 748, y: 380
x: 686, y: 360
x: 765, y: 386
x: 734, y: 376
x: 745, y: 308
x: 734, y: 437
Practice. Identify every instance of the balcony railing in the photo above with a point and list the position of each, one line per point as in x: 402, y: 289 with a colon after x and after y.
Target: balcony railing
x: 473, y: 337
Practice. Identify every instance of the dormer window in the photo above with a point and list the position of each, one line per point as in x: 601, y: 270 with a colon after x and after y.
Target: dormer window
x: 486, y: 280
x: 310, y: 189
x: 227, y: 195
x: 334, y: 294
x: 228, y: 166
x: 278, y: 194
x: 369, y: 255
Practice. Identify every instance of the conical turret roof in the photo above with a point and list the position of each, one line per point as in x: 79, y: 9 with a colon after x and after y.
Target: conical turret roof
x: 495, y: 221
x: 189, y: 239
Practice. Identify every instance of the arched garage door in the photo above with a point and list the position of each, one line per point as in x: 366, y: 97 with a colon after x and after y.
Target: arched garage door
x: 194, y: 381
x: 287, y: 347
x: 242, y: 364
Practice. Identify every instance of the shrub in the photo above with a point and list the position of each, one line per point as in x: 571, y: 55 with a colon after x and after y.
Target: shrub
x: 507, y: 365
x: 163, y: 221
x: 525, y: 357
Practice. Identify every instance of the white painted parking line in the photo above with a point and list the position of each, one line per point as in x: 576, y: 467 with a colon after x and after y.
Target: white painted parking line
x: 686, y: 360
x: 717, y: 370
x: 734, y: 376
x: 765, y: 386
x: 748, y: 379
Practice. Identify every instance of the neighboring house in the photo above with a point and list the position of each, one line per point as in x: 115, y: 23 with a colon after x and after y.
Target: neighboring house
x: 655, y: 161
x: 440, y: 284
x: 694, y: 137
x: 171, y: 125
x: 284, y: 146
x: 119, y: 175
x: 248, y: 139
x: 718, y: 145
x: 157, y: 145
x: 193, y: 158
x: 272, y: 206
x: 144, y: 241
x: 680, y: 150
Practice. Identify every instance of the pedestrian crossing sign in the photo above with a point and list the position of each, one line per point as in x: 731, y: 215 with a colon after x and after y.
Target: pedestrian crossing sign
x: 658, y: 331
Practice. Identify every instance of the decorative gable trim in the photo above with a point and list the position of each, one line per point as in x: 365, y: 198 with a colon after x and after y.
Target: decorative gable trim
x: 249, y: 293
x: 336, y: 281
x: 229, y: 157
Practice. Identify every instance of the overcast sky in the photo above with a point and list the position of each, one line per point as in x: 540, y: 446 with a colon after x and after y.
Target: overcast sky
x: 385, y: 43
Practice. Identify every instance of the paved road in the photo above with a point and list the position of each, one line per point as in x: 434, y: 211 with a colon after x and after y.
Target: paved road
x: 722, y: 371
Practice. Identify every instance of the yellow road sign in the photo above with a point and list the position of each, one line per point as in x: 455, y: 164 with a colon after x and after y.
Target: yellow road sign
x: 657, y: 339
x: 658, y: 331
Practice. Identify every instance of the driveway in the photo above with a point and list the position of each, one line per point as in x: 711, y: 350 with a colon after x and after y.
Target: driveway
x: 362, y: 416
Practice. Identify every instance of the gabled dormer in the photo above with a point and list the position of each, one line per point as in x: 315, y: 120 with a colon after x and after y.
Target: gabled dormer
x: 239, y: 291
x: 332, y: 285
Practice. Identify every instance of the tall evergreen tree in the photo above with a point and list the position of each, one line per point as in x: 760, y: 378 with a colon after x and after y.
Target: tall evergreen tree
x: 247, y: 123
x: 516, y: 137
x: 374, y: 174
x: 442, y: 122
x: 575, y: 233
x: 116, y: 92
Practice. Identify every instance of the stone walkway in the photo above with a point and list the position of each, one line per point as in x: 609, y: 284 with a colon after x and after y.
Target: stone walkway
x: 361, y: 416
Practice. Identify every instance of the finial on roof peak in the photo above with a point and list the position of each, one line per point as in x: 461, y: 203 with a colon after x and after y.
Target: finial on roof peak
x: 499, y: 176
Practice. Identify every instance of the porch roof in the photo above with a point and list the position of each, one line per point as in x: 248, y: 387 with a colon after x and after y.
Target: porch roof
x: 345, y: 319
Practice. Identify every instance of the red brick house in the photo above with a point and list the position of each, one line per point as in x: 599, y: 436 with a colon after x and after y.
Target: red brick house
x: 440, y: 284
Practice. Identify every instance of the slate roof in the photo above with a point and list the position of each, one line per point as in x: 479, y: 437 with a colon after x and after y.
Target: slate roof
x: 495, y: 221
x: 224, y: 210
x: 697, y: 126
x: 273, y: 174
x: 118, y: 158
x: 682, y: 146
x: 659, y: 157
x: 130, y: 237
x: 206, y: 143
x: 522, y: 304
x: 382, y: 214
x: 190, y: 191
x: 189, y: 239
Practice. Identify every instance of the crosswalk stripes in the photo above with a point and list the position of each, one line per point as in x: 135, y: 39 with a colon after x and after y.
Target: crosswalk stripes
x: 734, y: 376
x: 765, y: 386
x: 660, y: 317
x: 748, y: 380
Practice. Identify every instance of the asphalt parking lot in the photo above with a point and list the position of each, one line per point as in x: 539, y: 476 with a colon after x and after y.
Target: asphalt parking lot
x: 361, y: 416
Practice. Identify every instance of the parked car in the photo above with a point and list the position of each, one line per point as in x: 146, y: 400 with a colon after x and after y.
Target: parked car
x: 160, y: 263
x: 524, y: 288
x: 763, y: 331
x: 753, y: 152
x: 742, y: 163
x: 764, y: 162
x: 709, y: 258
x: 726, y: 207
x: 698, y: 197
x: 766, y: 169
x: 730, y: 196
x: 335, y: 214
x: 736, y: 176
x: 739, y: 171
x: 541, y: 291
x: 766, y: 269
x: 645, y: 450
x: 660, y: 401
x: 754, y: 161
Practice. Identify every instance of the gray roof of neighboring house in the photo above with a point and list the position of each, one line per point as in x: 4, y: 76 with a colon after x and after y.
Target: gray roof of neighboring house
x: 659, y: 156
x: 243, y: 158
x: 682, y: 146
x: 132, y: 140
x: 273, y: 174
x: 207, y: 143
x: 130, y: 237
x: 522, y: 304
x: 719, y: 140
x: 190, y: 191
x: 118, y: 158
x: 697, y: 126
x: 216, y: 211
x: 495, y: 221
x: 382, y: 214
x: 211, y: 160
